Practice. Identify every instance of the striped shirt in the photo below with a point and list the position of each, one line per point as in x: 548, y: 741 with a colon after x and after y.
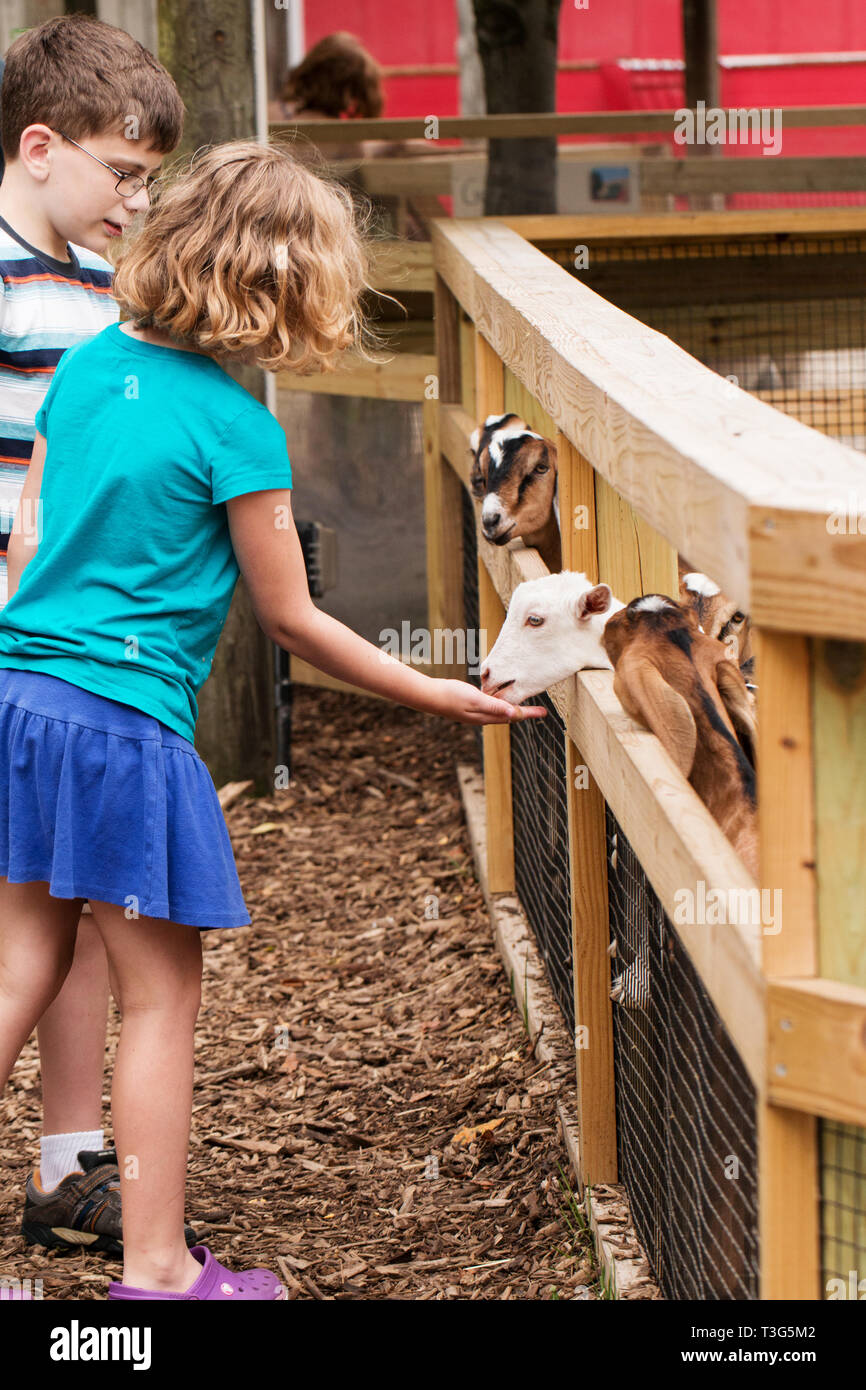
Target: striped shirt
x: 46, y: 306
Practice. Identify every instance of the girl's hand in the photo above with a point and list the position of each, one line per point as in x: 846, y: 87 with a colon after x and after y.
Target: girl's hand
x: 467, y: 704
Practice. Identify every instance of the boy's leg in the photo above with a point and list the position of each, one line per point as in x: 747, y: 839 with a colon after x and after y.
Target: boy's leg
x: 156, y: 970
x: 72, y: 1075
x: 37, y: 942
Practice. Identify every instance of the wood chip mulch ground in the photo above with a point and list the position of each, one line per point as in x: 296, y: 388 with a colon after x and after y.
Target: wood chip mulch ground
x: 369, y: 1117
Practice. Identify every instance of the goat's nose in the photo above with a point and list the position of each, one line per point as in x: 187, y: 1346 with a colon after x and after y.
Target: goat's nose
x: 492, y: 520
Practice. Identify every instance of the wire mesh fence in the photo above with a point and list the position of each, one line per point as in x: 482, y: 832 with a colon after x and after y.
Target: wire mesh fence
x: 685, y: 1105
x: 782, y: 316
x: 542, y: 872
x: 843, y: 1206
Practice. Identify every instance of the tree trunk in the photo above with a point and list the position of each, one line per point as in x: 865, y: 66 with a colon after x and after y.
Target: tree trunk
x: 517, y: 42
x: 472, y: 101
x: 208, y: 51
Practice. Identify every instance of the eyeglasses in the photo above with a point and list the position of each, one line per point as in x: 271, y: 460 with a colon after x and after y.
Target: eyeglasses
x: 127, y: 184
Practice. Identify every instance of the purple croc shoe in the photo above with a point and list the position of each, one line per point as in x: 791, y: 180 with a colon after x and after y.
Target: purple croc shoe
x: 214, y: 1282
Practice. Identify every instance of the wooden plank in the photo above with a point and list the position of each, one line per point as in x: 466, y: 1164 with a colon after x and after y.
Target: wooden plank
x: 839, y: 694
x: 703, y: 462
x: 455, y: 429
x: 588, y: 870
x: 520, y: 125
x: 443, y: 505
x: 590, y: 935
x: 817, y: 1049
x: 789, y: 1231
x: 467, y: 368
x: 402, y: 265
x: 523, y: 403
x: 788, y: 1171
x: 428, y: 173
x: 633, y: 558
x: 780, y: 174
x: 577, y: 510
x: 402, y: 378
x: 444, y: 536
x: 496, y: 738
x: 447, y: 328
x: 839, y: 698
x: 786, y: 805
x: 566, y: 229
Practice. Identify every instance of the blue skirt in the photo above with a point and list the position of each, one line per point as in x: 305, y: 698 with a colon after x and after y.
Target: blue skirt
x: 101, y: 801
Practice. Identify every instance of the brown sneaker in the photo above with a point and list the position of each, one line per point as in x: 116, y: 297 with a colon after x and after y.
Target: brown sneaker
x: 82, y: 1211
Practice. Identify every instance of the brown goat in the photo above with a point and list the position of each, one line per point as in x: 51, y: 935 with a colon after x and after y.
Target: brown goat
x: 514, y: 475
x: 686, y: 688
x: 717, y: 615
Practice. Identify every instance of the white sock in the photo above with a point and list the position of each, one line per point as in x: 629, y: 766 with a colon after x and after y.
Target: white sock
x: 59, y: 1154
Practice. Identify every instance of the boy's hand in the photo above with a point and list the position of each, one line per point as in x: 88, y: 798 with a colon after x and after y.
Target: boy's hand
x: 467, y: 704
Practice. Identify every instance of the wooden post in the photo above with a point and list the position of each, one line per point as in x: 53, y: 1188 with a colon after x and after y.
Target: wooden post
x: 489, y: 398
x: 839, y: 705
x: 788, y: 1177
x: 632, y: 557
x: 443, y: 502
x: 587, y: 848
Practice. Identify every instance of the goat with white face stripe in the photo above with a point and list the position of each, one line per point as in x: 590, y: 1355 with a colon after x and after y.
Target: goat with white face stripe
x: 553, y: 628
x: 514, y: 474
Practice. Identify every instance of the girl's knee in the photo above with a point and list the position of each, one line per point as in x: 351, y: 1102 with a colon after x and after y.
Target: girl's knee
x: 177, y: 1000
x: 37, y: 980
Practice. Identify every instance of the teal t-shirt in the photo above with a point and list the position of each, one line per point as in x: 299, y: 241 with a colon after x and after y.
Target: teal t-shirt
x: 131, y: 583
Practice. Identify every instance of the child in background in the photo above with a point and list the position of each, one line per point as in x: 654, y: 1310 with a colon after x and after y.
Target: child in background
x: 184, y: 481
x: 75, y: 92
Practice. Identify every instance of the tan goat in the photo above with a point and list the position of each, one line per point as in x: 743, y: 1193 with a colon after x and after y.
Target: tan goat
x: 686, y: 688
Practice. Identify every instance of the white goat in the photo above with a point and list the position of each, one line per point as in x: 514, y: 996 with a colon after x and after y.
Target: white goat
x: 553, y: 628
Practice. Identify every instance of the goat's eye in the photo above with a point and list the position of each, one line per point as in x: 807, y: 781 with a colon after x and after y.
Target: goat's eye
x: 738, y: 617
x: 541, y: 468
x: 534, y: 621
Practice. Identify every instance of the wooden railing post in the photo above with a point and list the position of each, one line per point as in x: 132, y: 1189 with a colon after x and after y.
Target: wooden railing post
x: 788, y: 1178
x: 489, y: 398
x: 839, y: 724
x: 442, y: 500
x: 587, y: 845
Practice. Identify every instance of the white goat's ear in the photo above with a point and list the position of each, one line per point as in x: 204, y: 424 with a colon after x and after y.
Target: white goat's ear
x: 595, y: 601
x: 474, y: 439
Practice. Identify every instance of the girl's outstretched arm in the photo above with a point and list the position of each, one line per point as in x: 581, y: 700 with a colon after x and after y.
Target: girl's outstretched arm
x: 268, y: 551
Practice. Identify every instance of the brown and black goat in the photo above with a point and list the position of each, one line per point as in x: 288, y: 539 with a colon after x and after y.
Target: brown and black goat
x: 514, y: 475
x: 688, y: 690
